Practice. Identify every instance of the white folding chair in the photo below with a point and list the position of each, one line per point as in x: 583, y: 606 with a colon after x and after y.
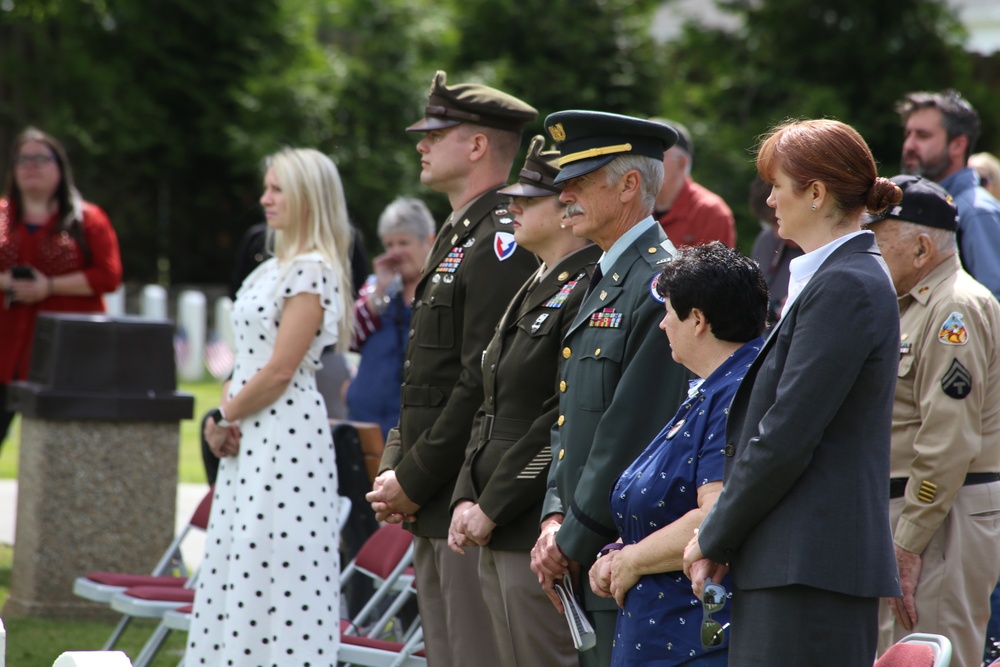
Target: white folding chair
x: 102, y: 586
x: 915, y: 649
x: 174, y: 610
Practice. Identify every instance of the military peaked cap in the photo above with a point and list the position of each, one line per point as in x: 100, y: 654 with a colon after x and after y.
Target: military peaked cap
x: 540, y: 169
x: 448, y: 106
x: 589, y: 140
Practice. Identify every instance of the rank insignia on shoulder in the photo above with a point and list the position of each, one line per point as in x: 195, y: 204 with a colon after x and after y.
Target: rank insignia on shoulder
x: 538, y: 322
x: 652, y: 290
x: 606, y: 318
x: 451, y: 263
x: 927, y: 491
x: 560, y: 298
x: 953, y: 331
x: 957, y: 380
x: 504, y: 245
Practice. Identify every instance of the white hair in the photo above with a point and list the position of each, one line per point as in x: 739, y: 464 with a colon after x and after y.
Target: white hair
x: 650, y: 175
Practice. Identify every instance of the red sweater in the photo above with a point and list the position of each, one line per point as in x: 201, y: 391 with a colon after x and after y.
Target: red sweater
x: 698, y: 216
x: 52, y: 254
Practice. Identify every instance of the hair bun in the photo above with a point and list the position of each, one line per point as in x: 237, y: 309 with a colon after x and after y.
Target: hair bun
x: 882, y: 194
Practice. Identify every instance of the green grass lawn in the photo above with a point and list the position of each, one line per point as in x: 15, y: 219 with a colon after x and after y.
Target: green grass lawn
x: 190, y: 467
x: 35, y: 642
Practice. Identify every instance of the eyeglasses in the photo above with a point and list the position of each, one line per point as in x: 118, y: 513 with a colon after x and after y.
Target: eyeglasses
x: 37, y: 160
x: 713, y: 599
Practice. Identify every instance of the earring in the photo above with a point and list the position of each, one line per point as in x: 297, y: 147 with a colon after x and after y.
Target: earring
x: 562, y: 226
x: 814, y: 207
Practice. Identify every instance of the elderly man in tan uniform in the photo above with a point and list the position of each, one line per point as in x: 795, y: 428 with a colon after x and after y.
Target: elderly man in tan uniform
x: 945, y: 488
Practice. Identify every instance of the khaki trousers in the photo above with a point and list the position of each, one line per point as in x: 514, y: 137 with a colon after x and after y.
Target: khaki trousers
x: 456, y: 623
x: 528, y: 630
x: 959, y: 569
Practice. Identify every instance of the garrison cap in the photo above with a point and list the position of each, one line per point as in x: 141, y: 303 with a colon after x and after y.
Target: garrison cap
x: 589, y: 140
x: 448, y: 106
x: 683, y: 135
x: 924, y: 203
x: 537, y: 174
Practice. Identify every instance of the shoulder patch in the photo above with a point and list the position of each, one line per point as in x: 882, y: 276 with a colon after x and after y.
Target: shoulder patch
x: 957, y: 380
x: 504, y: 245
x: 652, y: 290
x: 953, y: 331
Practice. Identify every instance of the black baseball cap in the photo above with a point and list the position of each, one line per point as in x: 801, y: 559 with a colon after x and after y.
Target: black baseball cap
x: 924, y: 203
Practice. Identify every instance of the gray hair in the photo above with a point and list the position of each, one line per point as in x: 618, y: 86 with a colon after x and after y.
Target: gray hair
x: 943, y: 239
x: 650, y: 175
x: 407, y: 215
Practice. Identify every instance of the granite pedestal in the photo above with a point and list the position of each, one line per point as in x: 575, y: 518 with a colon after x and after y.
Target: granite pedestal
x: 97, y: 476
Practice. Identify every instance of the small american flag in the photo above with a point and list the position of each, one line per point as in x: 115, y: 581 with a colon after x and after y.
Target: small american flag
x: 219, y: 358
x: 181, y: 347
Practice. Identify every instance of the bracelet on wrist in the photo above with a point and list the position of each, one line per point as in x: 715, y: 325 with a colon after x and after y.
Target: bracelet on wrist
x: 608, y: 548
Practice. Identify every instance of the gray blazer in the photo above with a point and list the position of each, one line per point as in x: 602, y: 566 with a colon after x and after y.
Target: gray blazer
x: 806, y: 497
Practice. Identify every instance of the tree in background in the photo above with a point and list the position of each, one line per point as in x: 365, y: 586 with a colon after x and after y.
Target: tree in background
x: 844, y: 59
x: 167, y: 106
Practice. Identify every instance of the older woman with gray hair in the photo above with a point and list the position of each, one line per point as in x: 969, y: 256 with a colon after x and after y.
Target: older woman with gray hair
x: 382, y: 312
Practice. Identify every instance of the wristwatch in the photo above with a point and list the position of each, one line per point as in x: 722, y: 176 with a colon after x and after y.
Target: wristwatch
x: 608, y: 548
x: 219, y: 417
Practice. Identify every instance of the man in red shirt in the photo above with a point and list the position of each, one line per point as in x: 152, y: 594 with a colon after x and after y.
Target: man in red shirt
x: 689, y: 213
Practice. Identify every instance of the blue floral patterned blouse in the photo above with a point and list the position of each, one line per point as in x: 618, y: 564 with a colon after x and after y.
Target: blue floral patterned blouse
x: 661, y: 622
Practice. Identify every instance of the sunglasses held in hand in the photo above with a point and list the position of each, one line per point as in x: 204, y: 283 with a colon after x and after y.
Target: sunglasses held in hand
x: 713, y: 599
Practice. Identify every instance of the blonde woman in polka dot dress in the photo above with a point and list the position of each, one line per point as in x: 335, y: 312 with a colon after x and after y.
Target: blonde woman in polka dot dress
x: 268, y: 592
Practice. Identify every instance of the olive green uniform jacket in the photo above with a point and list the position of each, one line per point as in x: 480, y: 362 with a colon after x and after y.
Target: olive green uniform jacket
x: 470, y: 277
x: 622, y: 386
x: 507, y: 461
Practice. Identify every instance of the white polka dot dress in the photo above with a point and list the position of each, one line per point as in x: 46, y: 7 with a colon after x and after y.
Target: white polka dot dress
x: 268, y: 590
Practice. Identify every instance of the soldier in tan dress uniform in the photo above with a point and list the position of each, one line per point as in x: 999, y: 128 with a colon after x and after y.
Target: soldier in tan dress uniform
x: 945, y: 486
x: 471, y: 135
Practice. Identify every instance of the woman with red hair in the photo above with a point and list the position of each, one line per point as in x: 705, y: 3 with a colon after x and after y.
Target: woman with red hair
x: 803, y: 517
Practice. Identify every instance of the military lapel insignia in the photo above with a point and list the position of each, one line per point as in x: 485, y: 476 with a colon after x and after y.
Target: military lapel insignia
x: 449, y: 278
x: 563, y: 276
x: 560, y: 298
x: 504, y: 245
x: 953, y: 331
x: 468, y: 244
x: 451, y: 263
x: 502, y: 215
x: 606, y: 318
x: 436, y: 279
x: 652, y: 290
x: 957, y: 380
x: 675, y: 429
x: 538, y: 322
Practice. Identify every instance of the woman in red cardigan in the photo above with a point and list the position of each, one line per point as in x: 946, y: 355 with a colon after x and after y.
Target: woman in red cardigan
x: 58, y: 253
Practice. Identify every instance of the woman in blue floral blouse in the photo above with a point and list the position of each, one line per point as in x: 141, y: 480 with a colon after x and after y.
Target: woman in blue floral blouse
x: 716, y: 307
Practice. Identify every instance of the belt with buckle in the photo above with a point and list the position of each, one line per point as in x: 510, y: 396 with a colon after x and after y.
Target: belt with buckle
x: 897, y: 485
x: 508, y: 429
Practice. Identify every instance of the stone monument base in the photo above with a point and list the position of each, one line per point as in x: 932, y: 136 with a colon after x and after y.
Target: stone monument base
x: 92, y: 495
